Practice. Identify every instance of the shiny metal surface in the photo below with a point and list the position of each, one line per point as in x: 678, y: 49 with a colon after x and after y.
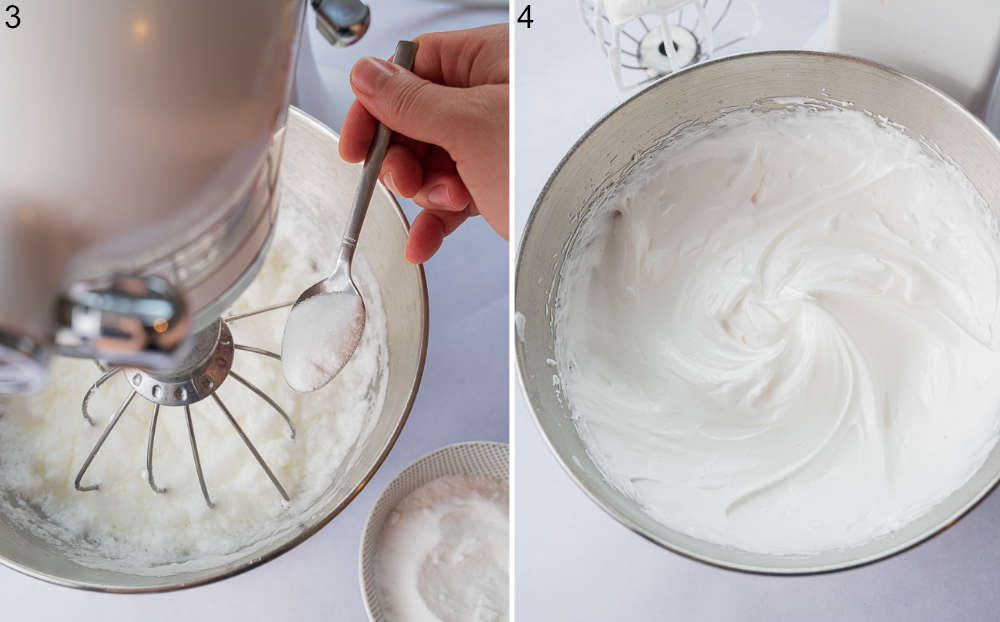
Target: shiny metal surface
x: 210, y: 363
x: 598, y: 162
x: 311, y: 170
x: 129, y: 320
x: 206, y: 366
x: 342, y: 22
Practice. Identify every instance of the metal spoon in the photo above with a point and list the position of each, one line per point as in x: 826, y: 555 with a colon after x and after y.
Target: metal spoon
x: 325, y: 324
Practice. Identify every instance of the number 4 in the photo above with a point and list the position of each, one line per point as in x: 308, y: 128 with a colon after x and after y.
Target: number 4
x: 525, y: 17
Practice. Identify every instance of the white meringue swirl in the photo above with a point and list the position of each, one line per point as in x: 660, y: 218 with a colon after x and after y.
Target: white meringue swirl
x: 780, y: 333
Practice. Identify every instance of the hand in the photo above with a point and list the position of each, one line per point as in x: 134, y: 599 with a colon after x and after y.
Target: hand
x: 450, y: 121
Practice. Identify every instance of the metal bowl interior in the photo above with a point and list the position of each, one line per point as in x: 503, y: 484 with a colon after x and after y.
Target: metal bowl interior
x: 315, y: 178
x: 603, y: 156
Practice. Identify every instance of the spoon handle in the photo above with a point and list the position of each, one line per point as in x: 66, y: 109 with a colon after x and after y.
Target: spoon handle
x: 406, y: 53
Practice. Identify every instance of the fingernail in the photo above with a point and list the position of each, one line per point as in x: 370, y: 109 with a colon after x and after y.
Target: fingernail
x: 369, y: 74
x: 390, y: 183
x: 438, y: 195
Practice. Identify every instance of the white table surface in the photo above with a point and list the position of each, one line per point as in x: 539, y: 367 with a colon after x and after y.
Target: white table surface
x: 573, y: 561
x: 463, y: 396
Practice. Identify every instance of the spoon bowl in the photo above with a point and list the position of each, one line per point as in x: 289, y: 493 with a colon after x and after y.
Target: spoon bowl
x: 323, y: 330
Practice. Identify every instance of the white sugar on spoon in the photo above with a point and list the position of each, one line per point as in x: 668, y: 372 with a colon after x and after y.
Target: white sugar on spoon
x: 325, y: 324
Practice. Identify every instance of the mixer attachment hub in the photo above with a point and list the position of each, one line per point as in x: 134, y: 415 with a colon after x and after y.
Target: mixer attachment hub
x: 204, y: 371
x: 206, y: 366
x: 654, y: 55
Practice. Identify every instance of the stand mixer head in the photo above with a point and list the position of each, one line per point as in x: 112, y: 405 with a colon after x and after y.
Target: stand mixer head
x: 138, y: 172
x: 138, y: 187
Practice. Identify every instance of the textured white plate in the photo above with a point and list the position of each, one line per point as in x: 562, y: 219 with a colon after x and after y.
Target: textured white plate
x: 478, y: 459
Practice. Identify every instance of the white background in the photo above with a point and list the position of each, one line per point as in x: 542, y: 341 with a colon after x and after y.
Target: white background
x: 463, y: 395
x: 574, y: 562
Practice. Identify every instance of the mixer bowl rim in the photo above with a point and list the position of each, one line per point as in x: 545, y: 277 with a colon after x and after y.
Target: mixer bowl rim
x: 610, y: 507
x: 312, y: 529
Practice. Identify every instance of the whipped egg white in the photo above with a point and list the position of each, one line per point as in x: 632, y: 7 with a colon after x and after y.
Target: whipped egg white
x: 780, y: 332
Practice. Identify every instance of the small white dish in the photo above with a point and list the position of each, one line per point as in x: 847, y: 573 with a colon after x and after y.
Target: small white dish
x: 475, y: 459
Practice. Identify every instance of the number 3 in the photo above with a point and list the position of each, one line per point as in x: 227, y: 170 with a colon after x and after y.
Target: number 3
x: 14, y: 17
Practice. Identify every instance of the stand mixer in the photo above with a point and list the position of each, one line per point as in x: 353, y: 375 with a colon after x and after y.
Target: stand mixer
x: 138, y: 185
x: 954, y: 46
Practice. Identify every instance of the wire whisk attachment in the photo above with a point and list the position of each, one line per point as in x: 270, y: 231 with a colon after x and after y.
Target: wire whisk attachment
x: 668, y: 36
x: 197, y: 380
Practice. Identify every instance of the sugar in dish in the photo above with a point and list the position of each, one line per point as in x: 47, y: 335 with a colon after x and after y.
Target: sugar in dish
x: 780, y: 333
x: 442, y: 553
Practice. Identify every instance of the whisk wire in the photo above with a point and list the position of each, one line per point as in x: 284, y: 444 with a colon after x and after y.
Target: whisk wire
x: 100, y: 442
x: 250, y: 446
x: 149, y: 451
x: 266, y: 398
x: 233, y: 318
x: 260, y: 351
x: 703, y: 29
x: 93, y: 389
x: 197, y: 460
x: 205, y: 377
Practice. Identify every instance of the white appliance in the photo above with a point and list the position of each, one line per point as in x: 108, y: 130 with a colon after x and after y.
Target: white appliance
x: 139, y: 149
x: 954, y: 46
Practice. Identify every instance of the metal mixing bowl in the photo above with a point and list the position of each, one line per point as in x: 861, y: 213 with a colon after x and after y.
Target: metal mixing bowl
x: 598, y: 162
x: 311, y: 174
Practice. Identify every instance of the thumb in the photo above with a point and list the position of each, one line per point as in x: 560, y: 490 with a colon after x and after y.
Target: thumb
x: 410, y: 105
